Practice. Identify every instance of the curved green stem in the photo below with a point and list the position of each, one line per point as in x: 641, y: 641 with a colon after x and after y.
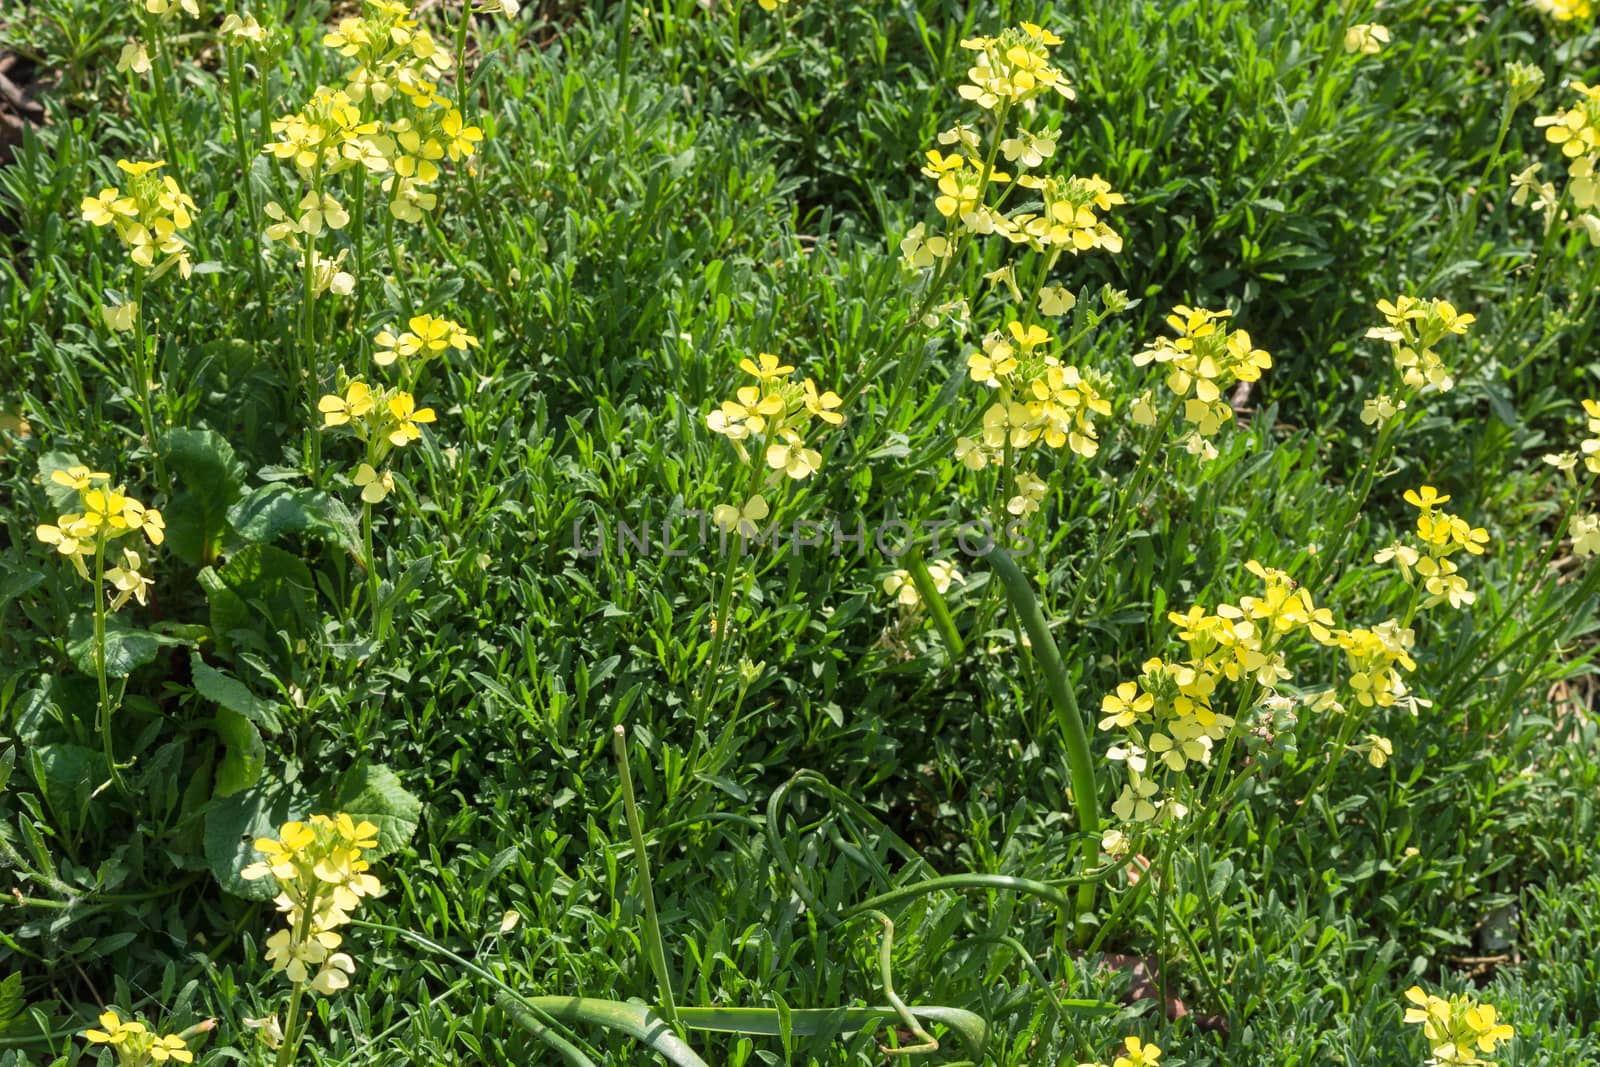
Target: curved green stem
x: 1080, y: 763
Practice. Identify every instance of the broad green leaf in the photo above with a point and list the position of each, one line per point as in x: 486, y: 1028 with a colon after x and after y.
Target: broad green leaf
x: 277, y: 585
x: 67, y: 774
x: 232, y: 694
x: 127, y: 648
x: 373, y: 792
x: 210, y: 477
x: 232, y: 825
x: 270, y: 511
x: 11, y: 1002
x: 245, y: 755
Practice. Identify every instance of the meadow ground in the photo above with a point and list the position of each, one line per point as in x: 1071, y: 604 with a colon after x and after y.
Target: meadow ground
x: 464, y: 386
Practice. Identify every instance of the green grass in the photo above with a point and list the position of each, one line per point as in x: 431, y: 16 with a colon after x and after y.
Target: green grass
x: 628, y: 240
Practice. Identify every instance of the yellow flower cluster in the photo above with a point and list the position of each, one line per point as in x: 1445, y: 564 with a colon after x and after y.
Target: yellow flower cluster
x: 1013, y: 69
x: 1588, y: 449
x: 1577, y: 130
x: 1565, y: 10
x: 780, y: 411
x: 135, y: 1045
x: 1457, y: 1029
x: 147, y: 218
x: 898, y: 583
x: 1376, y: 657
x: 1168, y: 717
x: 1367, y: 38
x: 425, y: 337
x: 321, y: 879
x: 395, y: 60
x: 1064, y: 218
x: 1442, y: 535
x: 1412, y: 328
x: 1037, y: 398
x: 106, y: 514
x: 1202, y: 361
x: 392, y: 52
x: 383, y: 419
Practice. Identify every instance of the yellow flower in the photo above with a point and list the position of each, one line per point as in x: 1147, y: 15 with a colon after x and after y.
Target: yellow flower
x: 134, y: 58
x: 408, y: 419
x: 769, y: 369
x: 1138, y: 1054
x: 374, y: 486
x: 1368, y: 38
x: 108, y: 207
x: 791, y: 456
x: 743, y: 519
x: 821, y: 405
x: 171, y: 1047
x: 120, y: 317
x: 113, y: 1030
x: 128, y: 580
x: 462, y: 140
x: 1123, y: 707
x: 1426, y: 499
x: 738, y: 419
x: 356, y: 403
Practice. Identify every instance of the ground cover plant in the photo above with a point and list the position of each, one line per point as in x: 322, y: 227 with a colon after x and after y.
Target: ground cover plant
x: 799, y: 532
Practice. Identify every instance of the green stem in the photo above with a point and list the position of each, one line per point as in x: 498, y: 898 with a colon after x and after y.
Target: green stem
x: 306, y: 359
x: 1154, y: 445
x: 292, y: 1031
x: 372, y: 573
x: 1459, y: 230
x: 163, y: 68
x: 144, y: 370
x: 236, y: 106
x: 100, y: 662
x: 1080, y: 764
x: 461, y: 55
x: 934, y: 602
x: 658, y: 954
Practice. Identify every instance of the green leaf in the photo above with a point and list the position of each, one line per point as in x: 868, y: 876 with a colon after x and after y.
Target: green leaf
x: 222, y: 688
x: 277, y: 585
x: 127, y: 647
x: 373, y: 792
x: 204, y: 462
x: 62, y: 498
x: 229, y: 612
x: 633, y: 1019
x: 232, y: 826
x: 270, y: 511
x: 211, y: 477
x: 11, y: 1002
x: 16, y: 582
x: 244, y: 757
x: 66, y: 774
x: 807, y: 1022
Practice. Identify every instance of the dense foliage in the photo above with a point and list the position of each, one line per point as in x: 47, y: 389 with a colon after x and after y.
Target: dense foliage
x: 1017, y: 533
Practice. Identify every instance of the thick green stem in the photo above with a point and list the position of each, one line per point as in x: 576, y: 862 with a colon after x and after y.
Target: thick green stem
x: 1080, y: 763
x: 652, y: 925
